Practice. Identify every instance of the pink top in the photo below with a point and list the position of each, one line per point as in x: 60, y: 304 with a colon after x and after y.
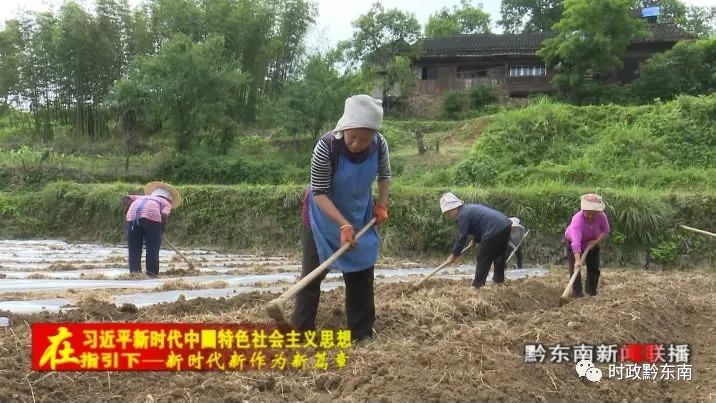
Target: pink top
x: 580, y: 232
x: 153, y: 208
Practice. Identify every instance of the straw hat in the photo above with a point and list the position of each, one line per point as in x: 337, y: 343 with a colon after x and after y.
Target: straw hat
x: 449, y: 201
x: 165, y: 190
x: 592, y: 202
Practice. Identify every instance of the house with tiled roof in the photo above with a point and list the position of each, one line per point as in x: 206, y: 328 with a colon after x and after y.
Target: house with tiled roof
x: 509, y: 62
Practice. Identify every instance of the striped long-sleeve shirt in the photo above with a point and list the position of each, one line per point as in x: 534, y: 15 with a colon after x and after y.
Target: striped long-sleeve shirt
x: 324, y: 160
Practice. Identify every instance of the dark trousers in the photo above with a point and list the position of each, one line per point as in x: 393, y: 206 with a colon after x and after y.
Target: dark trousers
x: 492, y: 251
x: 359, y: 304
x: 518, y: 256
x: 592, y: 263
x: 146, y: 232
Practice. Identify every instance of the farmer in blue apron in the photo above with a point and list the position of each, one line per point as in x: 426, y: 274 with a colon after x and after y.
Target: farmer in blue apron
x: 146, y: 223
x: 339, y: 202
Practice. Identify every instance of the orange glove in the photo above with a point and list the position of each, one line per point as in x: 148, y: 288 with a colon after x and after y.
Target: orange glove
x: 348, y: 235
x: 380, y: 212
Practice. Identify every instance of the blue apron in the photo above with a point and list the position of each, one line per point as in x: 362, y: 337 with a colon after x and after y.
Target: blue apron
x: 351, y: 192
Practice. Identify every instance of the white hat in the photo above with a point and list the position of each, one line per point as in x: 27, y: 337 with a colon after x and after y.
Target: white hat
x: 164, y: 189
x: 360, y: 111
x: 449, y: 201
x: 515, y: 221
x: 162, y: 193
x: 592, y: 202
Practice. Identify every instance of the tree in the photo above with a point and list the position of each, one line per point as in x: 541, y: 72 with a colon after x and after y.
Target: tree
x: 688, y: 68
x: 88, y: 58
x: 380, y: 34
x: 63, y: 65
x: 696, y: 20
x: 465, y: 19
x: 295, y: 16
x: 10, y: 48
x: 378, y: 37
x: 191, y: 86
x: 248, y: 27
x: 701, y: 21
x: 139, y: 38
x: 266, y: 37
x: 113, y: 25
x: 170, y: 17
x: 37, y: 85
x: 313, y: 101
x: 530, y: 15
x: 590, y: 39
x: 442, y: 23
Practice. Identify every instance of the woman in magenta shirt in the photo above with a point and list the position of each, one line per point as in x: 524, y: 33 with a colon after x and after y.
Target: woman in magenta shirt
x: 587, y: 229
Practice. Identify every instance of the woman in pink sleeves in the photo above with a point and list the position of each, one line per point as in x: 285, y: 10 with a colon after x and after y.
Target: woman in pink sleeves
x: 588, y: 228
x: 146, y: 219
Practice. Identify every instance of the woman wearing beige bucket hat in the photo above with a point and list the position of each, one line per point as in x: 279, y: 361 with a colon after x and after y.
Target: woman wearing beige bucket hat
x: 588, y: 228
x: 146, y: 220
x: 346, y: 163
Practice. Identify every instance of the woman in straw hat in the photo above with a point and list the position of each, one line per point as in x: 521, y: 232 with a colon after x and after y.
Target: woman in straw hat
x: 346, y: 161
x: 488, y: 227
x: 588, y: 228
x: 146, y: 223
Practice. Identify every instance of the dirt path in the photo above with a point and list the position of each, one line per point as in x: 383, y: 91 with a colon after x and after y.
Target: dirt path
x: 446, y: 342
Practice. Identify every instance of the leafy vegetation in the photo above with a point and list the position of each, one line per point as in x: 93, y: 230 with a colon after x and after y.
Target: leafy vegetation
x: 66, y: 64
x: 466, y: 19
x: 268, y: 217
x: 663, y: 146
x: 541, y: 15
x: 93, y: 103
x: 588, y: 46
x: 530, y: 15
x: 459, y: 104
x: 689, y: 68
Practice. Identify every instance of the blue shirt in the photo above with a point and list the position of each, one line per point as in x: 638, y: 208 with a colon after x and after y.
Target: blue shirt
x: 481, y: 222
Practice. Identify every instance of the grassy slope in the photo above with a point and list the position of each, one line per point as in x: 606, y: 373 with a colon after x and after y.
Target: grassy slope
x: 255, y: 216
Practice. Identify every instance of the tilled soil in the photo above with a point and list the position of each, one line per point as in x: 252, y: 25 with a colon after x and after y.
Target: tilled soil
x: 444, y: 342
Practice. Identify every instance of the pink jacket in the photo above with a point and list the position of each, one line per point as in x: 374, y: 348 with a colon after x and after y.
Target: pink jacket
x: 580, y: 232
x: 152, y: 209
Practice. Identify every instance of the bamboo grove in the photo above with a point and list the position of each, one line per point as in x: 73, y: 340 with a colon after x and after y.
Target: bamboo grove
x: 94, y: 70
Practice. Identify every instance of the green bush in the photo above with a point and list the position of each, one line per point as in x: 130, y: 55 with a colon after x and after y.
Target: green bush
x: 454, y: 104
x: 205, y: 168
x: 666, y: 145
x: 481, y: 96
x: 688, y: 68
x: 665, y: 252
x: 269, y: 217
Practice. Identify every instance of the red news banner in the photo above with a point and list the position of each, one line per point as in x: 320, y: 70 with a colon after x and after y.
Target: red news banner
x: 183, y: 346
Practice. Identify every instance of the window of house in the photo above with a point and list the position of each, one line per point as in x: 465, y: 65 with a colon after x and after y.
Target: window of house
x: 528, y: 71
x: 429, y: 73
x: 466, y: 72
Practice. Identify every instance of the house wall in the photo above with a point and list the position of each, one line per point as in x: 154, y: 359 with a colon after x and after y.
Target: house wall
x: 636, y: 54
x: 436, y: 76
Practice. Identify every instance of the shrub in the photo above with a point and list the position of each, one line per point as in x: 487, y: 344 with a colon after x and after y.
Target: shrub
x: 481, y: 96
x: 454, y: 104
